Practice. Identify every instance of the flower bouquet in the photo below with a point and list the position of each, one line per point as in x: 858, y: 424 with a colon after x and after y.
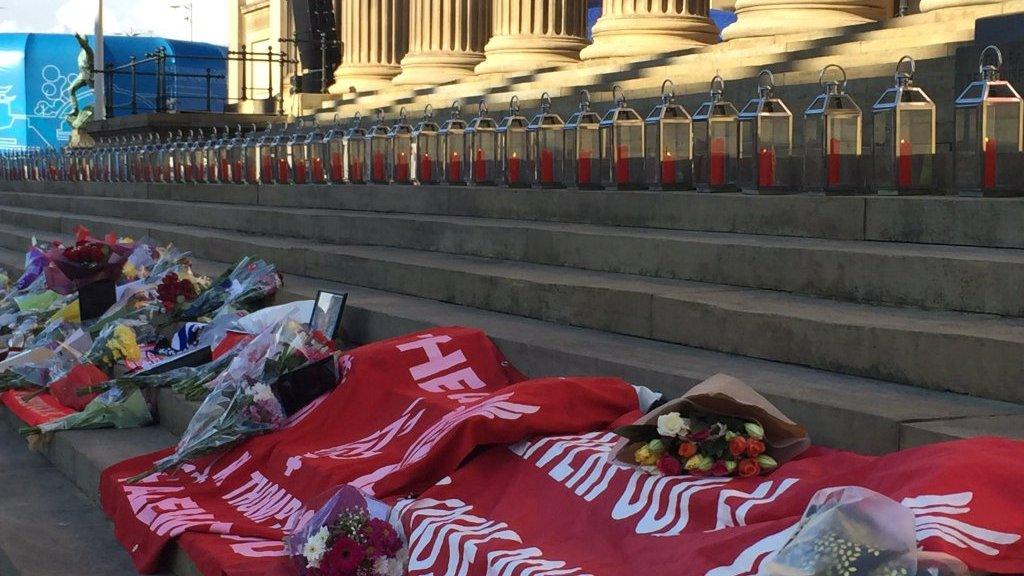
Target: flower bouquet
x: 116, y: 408
x: 116, y: 345
x: 244, y: 284
x: 348, y: 536
x: 721, y: 427
x: 92, y: 267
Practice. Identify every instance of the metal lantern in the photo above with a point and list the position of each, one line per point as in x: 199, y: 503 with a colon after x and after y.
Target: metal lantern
x: 237, y: 149
x: 716, y: 137
x: 547, y: 146
x: 669, y: 139
x: 399, y: 160
x: 182, y: 158
x: 212, y: 157
x: 482, y: 147
x: 281, y: 154
x: 903, y: 121
x: 988, y: 120
x: 333, y: 149
x: 298, y: 145
x: 832, y: 138
x: 196, y: 154
x: 317, y: 155
x: 514, y: 147
x: 224, y: 157
x: 354, y: 144
x: 426, y: 144
x: 153, y: 161
x: 583, y: 146
x: 255, y: 146
x: 377, y: 148
x: 766, y: 142
x: 622, y: 145
x: 453, y: 141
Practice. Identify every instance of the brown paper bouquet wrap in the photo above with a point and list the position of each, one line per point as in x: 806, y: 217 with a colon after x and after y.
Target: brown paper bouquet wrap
x: 725, y: 396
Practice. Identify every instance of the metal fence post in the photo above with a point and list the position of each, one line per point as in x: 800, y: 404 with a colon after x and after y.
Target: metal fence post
x: 270, y: 72
x: 135, y: 85
x: 280, y: 87
x: 244, y: 89
x: 323, y: 62
x: 209, y: 96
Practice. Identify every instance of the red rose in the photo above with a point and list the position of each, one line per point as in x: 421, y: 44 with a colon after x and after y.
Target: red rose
x: 669, y: 466
x: 700, y: 435
x: 737, y: 446
x: 754, y: 448
x: 687, y: 449
x: 748, y: 468
x: 719, y: 469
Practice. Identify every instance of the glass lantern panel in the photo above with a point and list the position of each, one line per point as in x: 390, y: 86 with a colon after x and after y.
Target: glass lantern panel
x: 1002, y: 133
x: 516, y: 158
x: 884, y: 148
x: 336, y: 160
x: 300, y: 163
x: 842, y: 150
x: 585, y: 154
x: 400, y: 159
x: 317, y: 171
x: 968, y: 147
x: 549, y: 156
x: 623, y: 157
x: 914, y: 147
x: 483, y: 152
x: 378, y: 154
x: 723, y: 144
x: 455, y: 144
x: 668, y: 159
x: 426, y: 156
x: 356, y: 161
x: 814, y: 160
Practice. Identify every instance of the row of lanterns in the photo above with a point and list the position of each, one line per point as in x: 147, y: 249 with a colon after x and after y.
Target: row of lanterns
x: 719, y: 148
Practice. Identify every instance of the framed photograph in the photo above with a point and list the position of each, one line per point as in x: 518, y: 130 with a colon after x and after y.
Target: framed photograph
x: 327, y: 311
x: 191, y: 359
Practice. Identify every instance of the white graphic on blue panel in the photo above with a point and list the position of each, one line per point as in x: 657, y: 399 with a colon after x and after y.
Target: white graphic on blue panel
x: 56, y: 102
x: 8, y: 118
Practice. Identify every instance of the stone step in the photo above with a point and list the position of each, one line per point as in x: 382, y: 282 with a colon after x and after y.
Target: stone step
x: 950, y: 220
x: 969, y: 353
x: 937, y: 277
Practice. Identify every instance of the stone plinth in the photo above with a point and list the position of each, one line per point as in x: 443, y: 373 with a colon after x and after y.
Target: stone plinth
x: 629, y: 28
x: 446, y: 40
x: 529, y: 35
x: 374, y: 37
x: 773, y: 17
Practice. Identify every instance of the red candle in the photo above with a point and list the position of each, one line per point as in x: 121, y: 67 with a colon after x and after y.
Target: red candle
x: 905, y: 154
x: 267, y: 168
x: 716, y: 175
x: 622, y: 165
x: 513, y: 169
x: 300, y: 171
x: 547, y: 167
x: 455, y: 168
x: 225, y: 170
x: 402, y: 168
x: 318, y: 170
x: 336, y: 173
x: 668, y: 169
x: 988, y: 178
x: 583, y: 174
x: 479, y: 168
x: 766, y: 167
x: 252, y: 172
x: 426, y: 168
x: 378, y: 167
x: 834, y: 161
x: 355, y: 171
x: 282, y: 171
x: 238, y: 172
x: 211, y: 172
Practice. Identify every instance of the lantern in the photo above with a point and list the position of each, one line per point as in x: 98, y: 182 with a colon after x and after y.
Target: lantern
x: 716, y: 135
x: 766, y: 142
x: 196, y: 158
x: 237, y: 153
x: 513, y: 146
x: 334, y: 149
x: 669, y: 140
x: 166, y: 166
x: 622, y: 145
x: 832, y: 138
x: 152, y: 161
x: 120, y: 160
x: 482, y: 147
x: 583, y: 146
x: 547, y: 146
x: 212, y: 157
x: 298, y: 151
x: 316, y: 155
x: 254, y: 145
x: 453, y: 140
x: 280, y: 147
x: 903, y: 120
x: 377, y: 148
x: 355, y: 151
x: 400, y: 150
x: 426, y: 149
x: 988, y: 133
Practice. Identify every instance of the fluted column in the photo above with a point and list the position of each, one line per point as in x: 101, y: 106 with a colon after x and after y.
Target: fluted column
x: 531, y: 34
x: 374, y: 38
x: 647, y: 28
x: 771, y: 17
x: 929, y: 5
x: 446, y: 40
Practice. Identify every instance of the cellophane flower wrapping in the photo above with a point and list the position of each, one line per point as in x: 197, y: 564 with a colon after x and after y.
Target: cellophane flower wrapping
x: 36, y: 262
x: 242, y: 285
x: 349, y: 535
x: 87, y: 261
x: 115, y: 408
x: 850, y: 530
x: 241, y: 402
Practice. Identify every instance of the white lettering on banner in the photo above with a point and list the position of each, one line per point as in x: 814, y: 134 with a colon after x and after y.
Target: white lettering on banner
x: 256, y: 547
x: 497, y: 406
x: 662, y: 501
x: 445, y: 538
x: 750, y: 561
x: 261, y: 500
x: 367, y: 447
x: 729, y: 517
x: 437, y: 362
x: 580, y: 462
x: 230, y: 469
x: 169, y: 516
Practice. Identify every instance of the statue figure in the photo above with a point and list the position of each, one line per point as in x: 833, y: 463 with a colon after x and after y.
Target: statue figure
x: 86, y: 79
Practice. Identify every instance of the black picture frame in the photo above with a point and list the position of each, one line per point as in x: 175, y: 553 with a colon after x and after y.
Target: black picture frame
x: 190, y: 359
x: 298, y: 388
x: 95, y: 299
x: 327, y: 311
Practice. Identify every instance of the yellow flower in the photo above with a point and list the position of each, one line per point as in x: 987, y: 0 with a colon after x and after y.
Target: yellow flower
x: 122, y: 344
x: 70, y: 313
x: 645, y: 457
x: 125, y: 240
x: 130, y: 271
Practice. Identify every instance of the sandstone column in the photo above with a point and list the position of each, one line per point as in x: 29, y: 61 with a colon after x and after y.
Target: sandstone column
x: 446, y: 40
x: 647, y: 28
x: 374, y: 38
x: 929, y: 5
x: 532, y: 34
x: 771, y: 17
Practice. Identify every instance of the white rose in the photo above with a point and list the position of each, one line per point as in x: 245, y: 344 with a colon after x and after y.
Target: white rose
x: 672, y: 424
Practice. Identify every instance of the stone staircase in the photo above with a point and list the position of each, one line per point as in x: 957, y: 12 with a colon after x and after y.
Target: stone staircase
x: 880, y: 323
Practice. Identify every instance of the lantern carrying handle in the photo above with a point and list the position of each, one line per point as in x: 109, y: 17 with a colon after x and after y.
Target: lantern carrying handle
x: 620, y: 101
x: 380, y: 115
x: 337, y: 119
x: 670, y: 93
x: 765, y: 83
x: 990, y: 71
x: 903, y: 77
x: 513, y: 105
x: 584, y: 100
x: 545, y: 103
x: 401, y: 115
x: 456, y: 109
x: 821, y: 78
x: 357, y: 119
x: 481, y: 108
x: 428, y: 112
x: 717, y: 87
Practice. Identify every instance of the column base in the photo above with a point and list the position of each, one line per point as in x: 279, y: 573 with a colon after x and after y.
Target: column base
x: 526, y: 53
x: 640, y: 35
x: 363, y: 77
x: 769, y: 18
x: 434, y: 68
x: 929, y: 5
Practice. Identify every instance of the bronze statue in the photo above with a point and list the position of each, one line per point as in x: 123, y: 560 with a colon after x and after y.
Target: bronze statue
x: 86, y: 79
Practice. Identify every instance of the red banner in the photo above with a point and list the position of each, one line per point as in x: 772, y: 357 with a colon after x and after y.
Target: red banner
x: 36, y: 411
x: 407, y: 413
